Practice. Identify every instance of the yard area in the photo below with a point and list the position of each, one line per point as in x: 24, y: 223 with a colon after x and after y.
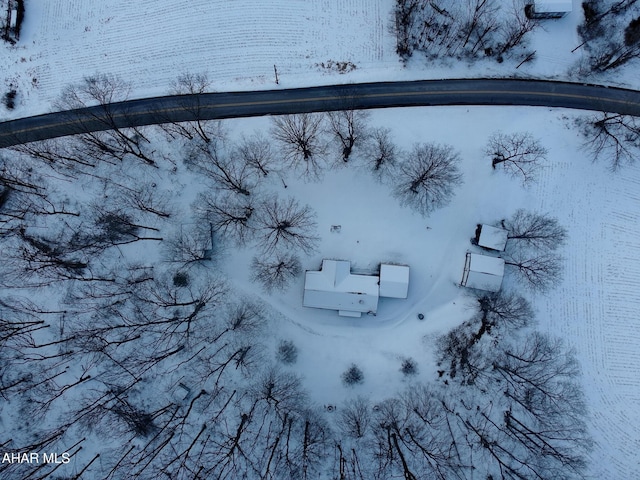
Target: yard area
x: 596, y: 307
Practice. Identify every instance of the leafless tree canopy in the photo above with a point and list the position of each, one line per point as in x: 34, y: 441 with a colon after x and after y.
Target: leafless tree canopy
x: 256, y: 152
x: 519, y: 154
x: 115, y: 142
x: 611, y: 33
x: 285, y: 224
x: 613, y: 137
x: 533, y: 230
x: 381, y: 155
x: 205, y: 130
x: 539, y: 271
x: 224, y: 168
x: 275, y: 272
x: 300, y: 138
x: 532, y: 242
x: 348, y: 127
x: 231, y: 215
x: 426, y: 178
x: 467, y: 28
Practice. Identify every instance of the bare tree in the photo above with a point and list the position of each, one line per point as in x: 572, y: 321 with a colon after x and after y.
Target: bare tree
x: 118, y: 227
x: 192, y: 243
x: 613, y: 136
x: 300, y: 137
x: 285, y: 224
x: 348, y: 127
x: 114, y: 142
x: 230, y: 215
x: 514, y: 30
x: 256, y: 153
x: 530, y: 230
x: 194, y: 84
x: 214, y: 161
x: 355, y: 417
x: 519, y: 154
x: 276, y: 272
x: 479, y: 24
x: 381, y: 155
x: 539, y: 270
x: 425, y: 180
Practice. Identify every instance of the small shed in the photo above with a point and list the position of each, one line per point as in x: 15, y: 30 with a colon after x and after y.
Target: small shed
x: 542, y: 9
x: 394, y: 281
x: 334, y: 287
x: 483, y: 272
x: 490, y: 237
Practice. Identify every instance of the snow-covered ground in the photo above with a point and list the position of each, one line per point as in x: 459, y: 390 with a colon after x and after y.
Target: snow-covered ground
x: 597, y: 307
x: 150, y: 42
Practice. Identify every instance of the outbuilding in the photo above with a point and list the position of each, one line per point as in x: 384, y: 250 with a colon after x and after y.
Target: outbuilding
x: 483, y: 272
x: 549, y: 9
x: 493, y: 238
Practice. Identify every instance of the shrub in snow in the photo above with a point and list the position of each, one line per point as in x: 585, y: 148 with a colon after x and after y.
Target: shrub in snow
x: 181, y: 279
x: 287, y: 352
x: 409, y: 367
x: 353, y: 375
x: 10, y: 99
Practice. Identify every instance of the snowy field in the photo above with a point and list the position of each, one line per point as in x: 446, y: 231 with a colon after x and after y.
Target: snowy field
x: 149, y: 43
x: 597, y: 307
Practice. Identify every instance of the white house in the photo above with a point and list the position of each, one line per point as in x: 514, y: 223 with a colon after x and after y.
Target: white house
x: 483, y: 272
x: 491, y: 237
x: 394, y: 281
x: 549, y: 8
x: 334, y: 287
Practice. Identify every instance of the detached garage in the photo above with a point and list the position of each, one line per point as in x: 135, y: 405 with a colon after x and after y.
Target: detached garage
x: 483, y: 272
x: 394, y: 281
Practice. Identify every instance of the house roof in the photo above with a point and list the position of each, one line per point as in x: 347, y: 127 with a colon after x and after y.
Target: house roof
x: 493, y: 237
x: 335, y: 288
x: 394, y: 281
x: 553, y: 6
x: 484, y: 272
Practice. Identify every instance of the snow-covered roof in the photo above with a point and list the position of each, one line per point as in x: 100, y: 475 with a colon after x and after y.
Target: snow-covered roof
x: 483, y: 272
x: 335, y: 288
x: 493, y: 237
x: 394, y: 281
x: 553, y: 6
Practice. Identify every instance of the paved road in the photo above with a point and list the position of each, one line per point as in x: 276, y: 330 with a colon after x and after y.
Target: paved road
x: 149, y: 111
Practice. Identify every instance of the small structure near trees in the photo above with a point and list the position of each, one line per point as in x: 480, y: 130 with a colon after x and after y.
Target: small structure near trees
x: 483, y: 272
x: 334, y: 287
x: 548, y: 9
x: 14, y: 18
x: 490, y: 237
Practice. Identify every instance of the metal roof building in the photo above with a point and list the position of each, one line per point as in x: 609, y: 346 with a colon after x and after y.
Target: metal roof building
x: 483, y: 272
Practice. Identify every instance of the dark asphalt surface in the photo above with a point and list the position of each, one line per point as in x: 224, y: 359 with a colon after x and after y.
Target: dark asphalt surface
x: 209, y: 106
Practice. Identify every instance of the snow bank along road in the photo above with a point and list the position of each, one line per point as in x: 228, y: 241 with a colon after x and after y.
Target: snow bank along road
x: 209, y: 106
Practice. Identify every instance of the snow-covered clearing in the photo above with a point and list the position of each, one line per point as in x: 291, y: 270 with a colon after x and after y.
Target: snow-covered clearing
x: 596, y: 309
